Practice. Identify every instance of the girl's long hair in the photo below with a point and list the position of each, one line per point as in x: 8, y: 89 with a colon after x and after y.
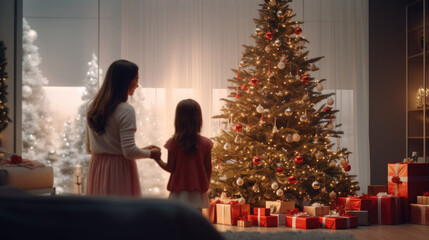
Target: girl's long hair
x: 187, y: 123
x: 113, y: 91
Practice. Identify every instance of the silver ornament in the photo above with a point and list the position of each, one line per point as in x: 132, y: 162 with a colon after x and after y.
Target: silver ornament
x: 277, y: 43
x: 303, y: 118
x: 260, y: 109
x: 288, y: 112
x: 240, y: 181
x: 279, y: 13
x: 315, y: 185
x: 275, y: 186
x: 227, y: 146
x: 281, y: 65
x: 258, y: 30
x: 279, y: 192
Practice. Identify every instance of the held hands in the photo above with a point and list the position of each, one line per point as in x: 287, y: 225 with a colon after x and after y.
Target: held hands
x: 155, y: 152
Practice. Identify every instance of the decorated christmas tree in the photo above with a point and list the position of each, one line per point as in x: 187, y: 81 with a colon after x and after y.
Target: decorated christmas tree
x: 152, y: 182
x: 37, y: 130
x: 4, y: 110
x: 277, y: 126
x: 91, y: 87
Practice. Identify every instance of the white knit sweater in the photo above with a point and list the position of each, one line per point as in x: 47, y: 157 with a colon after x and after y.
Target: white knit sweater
x: 119, y: 135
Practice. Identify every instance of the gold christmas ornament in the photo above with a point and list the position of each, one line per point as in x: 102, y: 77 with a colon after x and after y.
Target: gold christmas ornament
x: 332, y: 195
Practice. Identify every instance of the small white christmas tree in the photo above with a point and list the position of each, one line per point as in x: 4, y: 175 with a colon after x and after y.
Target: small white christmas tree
x: 67, y: 160
x: 37, y: 130
x: 153, y: 179
x: 91, y: 87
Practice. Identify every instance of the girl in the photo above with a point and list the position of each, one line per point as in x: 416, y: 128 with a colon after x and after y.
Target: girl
x: 189, y: 157
x: 111, y: 124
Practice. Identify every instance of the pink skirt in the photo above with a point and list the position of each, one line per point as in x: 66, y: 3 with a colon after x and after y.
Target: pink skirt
x: 113, y: 175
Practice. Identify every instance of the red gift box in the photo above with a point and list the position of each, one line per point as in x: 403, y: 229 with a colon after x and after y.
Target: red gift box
x: 229, y: 213
x: 261, y: 211
x: 263, y: 221
x: 210, y: 213
x: 338, y: 222
x: 355, y: 202
x: 303, y: 222
x: 385, y: 209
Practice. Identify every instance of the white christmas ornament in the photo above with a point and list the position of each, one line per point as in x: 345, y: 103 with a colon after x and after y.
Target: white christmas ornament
x: 279, y: 192
x: 296, y: 137
x: 260, y: 109
x: 277, y: 43
x: 319, y: 87
x: 240, y: 181
x: 26, y: 91
x: 275, y: 186
x: 227, y: 146
x: 281, y: 65
x: 32, y: 35
x: 330, y: 101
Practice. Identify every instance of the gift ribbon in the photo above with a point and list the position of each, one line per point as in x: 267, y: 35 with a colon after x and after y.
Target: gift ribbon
x: 397, y: 206
x: 259, y: 216
x: 294, y: 222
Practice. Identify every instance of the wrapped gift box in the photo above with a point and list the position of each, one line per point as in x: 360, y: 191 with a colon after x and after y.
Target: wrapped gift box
x: 280, y: 206
x: 303, y: 222
x: 261, y: 211
x: 385, y: 209
x: 228, y: 214
x: 355, y: 203
x: 423, y: 200
x: 26, y: 178
x: 373, y: 190
x: 281, y: 218
x: 318, y: 211
x: 244, y: 223
x: 338, y: 222
x: 407, y: 180
x: 263, y: 221
x: 210, y: 213
x: 420, y: 214
x: 362, y: 215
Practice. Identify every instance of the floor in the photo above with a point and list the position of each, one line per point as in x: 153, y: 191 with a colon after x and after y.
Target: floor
x: 373, y: 232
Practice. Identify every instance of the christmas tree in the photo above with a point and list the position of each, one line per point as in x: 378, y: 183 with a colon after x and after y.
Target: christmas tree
x: 37, y: 130
x: 91, y: 87
x: 4, y: 110
x: 152, y: 182
x: 67, y: 160
x: 277, y: 126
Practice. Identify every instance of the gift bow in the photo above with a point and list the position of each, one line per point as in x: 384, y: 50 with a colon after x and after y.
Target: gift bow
x: 364, y: 196
x: 316, y: 204
x: 384, y: 194
x: 301, y: 214
x: 396, y: 179
x: 293, y: 211
x: 243, y: 217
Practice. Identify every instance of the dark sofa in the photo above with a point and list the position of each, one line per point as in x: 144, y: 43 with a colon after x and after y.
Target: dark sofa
x: 82, y: 217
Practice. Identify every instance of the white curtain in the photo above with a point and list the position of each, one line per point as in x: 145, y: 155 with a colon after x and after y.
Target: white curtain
x: 186, y: 48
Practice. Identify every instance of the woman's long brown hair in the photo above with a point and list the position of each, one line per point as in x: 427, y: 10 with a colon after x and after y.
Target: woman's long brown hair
x: 187, y: 123
x: 113, y: 91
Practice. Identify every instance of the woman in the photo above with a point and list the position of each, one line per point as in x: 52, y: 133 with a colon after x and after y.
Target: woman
x: 111, y: 125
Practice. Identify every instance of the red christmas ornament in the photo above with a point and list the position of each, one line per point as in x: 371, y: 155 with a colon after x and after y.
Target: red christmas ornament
x: 279, y: 170
x: 253, y: 81
x: 257, y: 160
x: 269, y: 36
x: 244, y: 87
x: 299, y: 159
x: 237, y: 96
x: 347, y: 167
x: 15, y: 159
x: 327, y: 109
x: 238, y: 127
x: 262, y: 119
x: 292, y: 179
x: 298, y: 30
x: 306, y: 79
